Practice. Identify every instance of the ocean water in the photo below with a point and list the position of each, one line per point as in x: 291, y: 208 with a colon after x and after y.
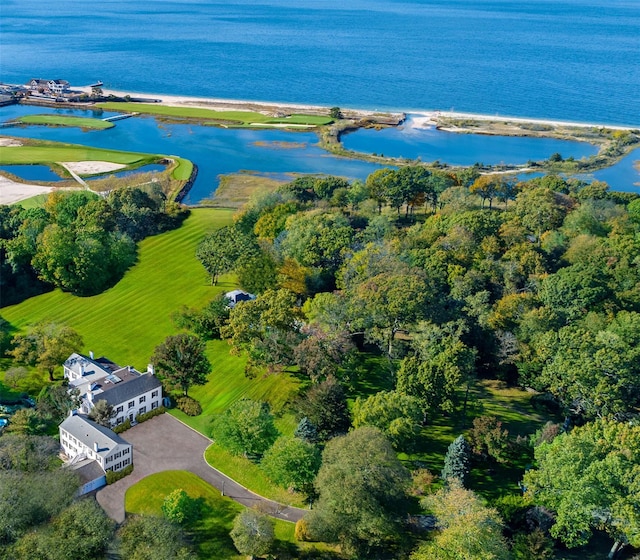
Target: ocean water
x: 563, y: 59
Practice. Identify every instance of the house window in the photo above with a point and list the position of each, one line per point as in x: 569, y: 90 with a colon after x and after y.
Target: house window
x: 154, y: 394
x: 154, y: 404
x: 142, y: 399
x: 125, y: 462
x: 120, y: 420
x: 119, y: 409
x: 132, y: 404
x: 143, y: 409
x: 125, y: 451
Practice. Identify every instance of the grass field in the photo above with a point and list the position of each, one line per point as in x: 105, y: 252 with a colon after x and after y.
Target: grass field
x: 57, y: 120
x: 46, y: 152
x: 230, y: 118
x: 210, y: 533
x: 127, y: 321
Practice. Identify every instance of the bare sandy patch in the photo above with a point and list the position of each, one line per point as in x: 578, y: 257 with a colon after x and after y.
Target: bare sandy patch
x: 10, y: 143
x: 12, y: 192
x: 92, y: 167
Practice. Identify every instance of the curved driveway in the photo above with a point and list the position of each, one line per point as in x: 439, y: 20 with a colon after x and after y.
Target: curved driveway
x: 163, y: 444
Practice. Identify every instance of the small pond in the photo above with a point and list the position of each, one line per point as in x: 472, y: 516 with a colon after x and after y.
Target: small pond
x: 32, y: 172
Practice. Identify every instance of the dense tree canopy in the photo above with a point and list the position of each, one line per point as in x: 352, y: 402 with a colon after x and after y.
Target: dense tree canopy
x: 591, y: 478
x: 362, y: 493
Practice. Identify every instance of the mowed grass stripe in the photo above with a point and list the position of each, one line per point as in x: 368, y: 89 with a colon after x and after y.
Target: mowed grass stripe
x: 127, y: 321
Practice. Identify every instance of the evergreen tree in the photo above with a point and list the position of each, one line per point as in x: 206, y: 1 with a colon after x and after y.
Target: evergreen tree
x: 456, y: 461
x: 306, y: 431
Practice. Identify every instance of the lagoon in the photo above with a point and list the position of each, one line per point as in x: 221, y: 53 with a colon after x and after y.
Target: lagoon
x: 282, y: 154
x: 429, y: 144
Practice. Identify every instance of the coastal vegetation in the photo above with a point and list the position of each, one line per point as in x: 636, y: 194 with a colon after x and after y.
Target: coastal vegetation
x: 391, y: 317
x: 220, y: 118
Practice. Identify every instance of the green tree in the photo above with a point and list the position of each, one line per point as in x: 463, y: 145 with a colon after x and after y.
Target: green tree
x: 441, y: 364
x: 223, y: 250
x: 396, y: 415
x: 28, y: 453
x: 178, y: 507
x: 206, y: 322
x: 456, y: 461
x: 292, y: 463
x: 591, y: 478
x: 27, y: 421
x: 325, y: 406
x: 468, y: 530
x: 267, y: 328
x: 253, y: 533
x: 102, y: 413
x: 362, y: 493
x: 28, y: 499
x: 46, y: 346
x: 306, y: 431
x: 55, y: 401
x: 145, y: 537
x: 245, y: 428
x: 15, y: 375
x: 181, y: 361
x: 335, y: 113
x: 377, y: 186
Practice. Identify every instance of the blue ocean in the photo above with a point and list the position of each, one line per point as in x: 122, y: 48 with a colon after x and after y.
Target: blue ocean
x: 562, y: 59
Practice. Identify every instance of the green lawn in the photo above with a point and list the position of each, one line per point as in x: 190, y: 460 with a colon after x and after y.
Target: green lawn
x: 58, y: 120
x: 232, y: 118
x: 127, y: 321
x: 47, y: 152
x: 251, y: 476
x: 36, y: 201
x: 210, y: 533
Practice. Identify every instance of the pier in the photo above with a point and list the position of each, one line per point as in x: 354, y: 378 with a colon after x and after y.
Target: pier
x: 119, y: 117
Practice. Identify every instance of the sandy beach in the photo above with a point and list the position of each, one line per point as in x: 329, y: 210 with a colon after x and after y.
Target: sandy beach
x: 418, y: 118
x: 12, y: 192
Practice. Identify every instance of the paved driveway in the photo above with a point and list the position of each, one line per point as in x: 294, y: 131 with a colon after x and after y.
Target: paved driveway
x: 163, y: 444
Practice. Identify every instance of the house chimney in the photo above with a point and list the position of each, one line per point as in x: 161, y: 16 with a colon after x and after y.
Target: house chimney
x: 90, y: 396
x: 95, y: 446
x: 91, y: 354
x: 151, y: 369
x: 81, y: 369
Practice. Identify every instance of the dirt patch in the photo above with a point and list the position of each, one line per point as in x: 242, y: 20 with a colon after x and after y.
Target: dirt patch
x: 92, y: 167
x: 10, y: 143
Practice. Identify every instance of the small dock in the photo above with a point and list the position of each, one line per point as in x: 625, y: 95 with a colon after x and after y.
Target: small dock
x: 119, y: 117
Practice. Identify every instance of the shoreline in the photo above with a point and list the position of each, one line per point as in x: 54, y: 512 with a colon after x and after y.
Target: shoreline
x: 418, y: 118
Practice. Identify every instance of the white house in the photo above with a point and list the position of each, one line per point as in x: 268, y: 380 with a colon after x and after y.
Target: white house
x: 127, y: 390
x: 51, y: 87
x: 83, y: 440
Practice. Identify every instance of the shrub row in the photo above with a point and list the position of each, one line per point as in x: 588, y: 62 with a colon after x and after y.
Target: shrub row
x: 122, y: 427
x: 147, y: 415
x: 114, y: 476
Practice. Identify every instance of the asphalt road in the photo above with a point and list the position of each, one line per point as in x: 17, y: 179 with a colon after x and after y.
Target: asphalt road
x: 164, y: 443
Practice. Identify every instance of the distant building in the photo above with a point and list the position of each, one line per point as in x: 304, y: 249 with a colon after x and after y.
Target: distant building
x: 236, y: 296
x: 127, y: 390
x: 54, y: 88
x: 91, y: 450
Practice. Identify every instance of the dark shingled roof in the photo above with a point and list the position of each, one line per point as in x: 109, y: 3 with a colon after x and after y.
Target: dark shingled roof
x: 125, y: 391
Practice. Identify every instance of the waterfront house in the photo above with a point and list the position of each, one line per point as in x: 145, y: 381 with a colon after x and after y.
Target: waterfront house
x: 91, y: 449
x: 127, y: 390
x: 49, y: 87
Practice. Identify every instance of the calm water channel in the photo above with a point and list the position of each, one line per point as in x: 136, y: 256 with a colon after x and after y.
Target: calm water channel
x: 219, y: 151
